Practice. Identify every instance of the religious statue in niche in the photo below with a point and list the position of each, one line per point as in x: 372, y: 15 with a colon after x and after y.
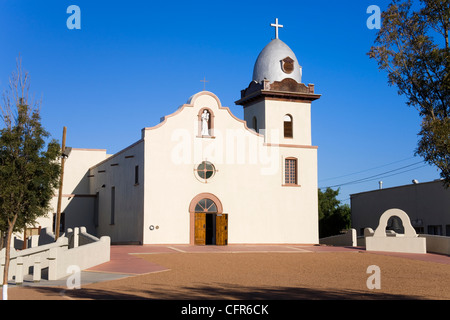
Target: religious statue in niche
x: 205, y: 123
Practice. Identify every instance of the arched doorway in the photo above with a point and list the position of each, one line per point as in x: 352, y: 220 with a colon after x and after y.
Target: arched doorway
x: 208, y: 223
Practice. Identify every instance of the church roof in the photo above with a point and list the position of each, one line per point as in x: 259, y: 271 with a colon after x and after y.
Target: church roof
x: 277, y: 62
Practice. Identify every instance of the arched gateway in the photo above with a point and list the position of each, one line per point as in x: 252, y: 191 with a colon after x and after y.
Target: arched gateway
x: 208, y: 223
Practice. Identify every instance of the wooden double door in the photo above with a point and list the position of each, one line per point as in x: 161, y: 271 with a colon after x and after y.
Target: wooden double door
x: 211, y: 229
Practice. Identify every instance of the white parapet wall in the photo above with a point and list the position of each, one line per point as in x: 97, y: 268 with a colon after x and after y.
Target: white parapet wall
x: 85, y: 251
x: 396, y: 244
x: 28, y: 257
x: 433, y: 243
x: 437, y: 244
x: 347, y: 239
x: 83, y: 257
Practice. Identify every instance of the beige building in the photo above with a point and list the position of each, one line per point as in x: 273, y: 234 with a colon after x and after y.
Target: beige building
x: 203, y: 176
x: 427, y: 205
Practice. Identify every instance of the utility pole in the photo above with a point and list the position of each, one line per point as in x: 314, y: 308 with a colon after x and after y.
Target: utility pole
x: 63, y: 160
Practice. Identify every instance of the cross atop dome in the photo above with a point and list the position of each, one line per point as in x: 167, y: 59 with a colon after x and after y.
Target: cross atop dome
x: 276, y: 25
x: 204, y: 83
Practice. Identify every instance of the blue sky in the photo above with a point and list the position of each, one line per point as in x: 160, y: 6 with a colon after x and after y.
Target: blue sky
x: 133, y: 62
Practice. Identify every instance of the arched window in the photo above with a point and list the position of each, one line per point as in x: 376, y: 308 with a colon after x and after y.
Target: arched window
x: 206, y: 206
x: 255, y: 124
x: 204, y: 200
x: 288, y: 126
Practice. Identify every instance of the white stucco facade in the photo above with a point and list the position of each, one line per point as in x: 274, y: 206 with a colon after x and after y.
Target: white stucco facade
x: 262, y: 188
x: 77, y: 201
x: 248, y: 182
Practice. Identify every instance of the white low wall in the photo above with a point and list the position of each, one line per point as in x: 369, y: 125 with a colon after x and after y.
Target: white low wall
x: 84, y: 252
x: 437, y: 244
x: 83, y: 257
x: 347, y: 239
x: 434, y: 244
x: 396, y: 244
x: 27, y: 258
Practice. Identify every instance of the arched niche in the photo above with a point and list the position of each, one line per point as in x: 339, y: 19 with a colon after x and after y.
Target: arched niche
x: 381, y: 229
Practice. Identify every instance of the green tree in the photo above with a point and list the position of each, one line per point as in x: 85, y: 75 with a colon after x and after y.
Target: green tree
x: 29, y: 171
x: 333, y: 216
x: 412, y: 46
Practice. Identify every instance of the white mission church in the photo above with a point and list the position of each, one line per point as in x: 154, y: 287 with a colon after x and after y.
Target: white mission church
x: 204, y: 177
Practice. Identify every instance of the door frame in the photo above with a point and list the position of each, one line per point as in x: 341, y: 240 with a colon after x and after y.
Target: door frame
x: 192, y: 205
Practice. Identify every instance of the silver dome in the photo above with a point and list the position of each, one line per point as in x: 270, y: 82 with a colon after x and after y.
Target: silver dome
x: 269, y: 64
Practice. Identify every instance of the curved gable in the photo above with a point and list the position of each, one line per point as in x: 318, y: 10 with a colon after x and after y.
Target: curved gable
x: 203, y: 99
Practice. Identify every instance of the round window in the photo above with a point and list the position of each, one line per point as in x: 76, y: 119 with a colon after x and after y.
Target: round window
x: 205, y: 170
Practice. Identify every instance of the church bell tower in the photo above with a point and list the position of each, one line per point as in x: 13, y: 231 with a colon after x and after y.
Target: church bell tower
x: 276, y: 103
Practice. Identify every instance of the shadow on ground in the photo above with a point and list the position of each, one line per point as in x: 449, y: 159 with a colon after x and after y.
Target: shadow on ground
x: 222, y: 292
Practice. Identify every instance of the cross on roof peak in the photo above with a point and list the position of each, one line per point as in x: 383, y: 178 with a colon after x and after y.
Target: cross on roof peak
x: 276, y: 25
x: 204, y: 83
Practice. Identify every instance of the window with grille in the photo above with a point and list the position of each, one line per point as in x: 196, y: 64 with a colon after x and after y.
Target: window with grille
x: 205, y: 171
x: 290, y: 172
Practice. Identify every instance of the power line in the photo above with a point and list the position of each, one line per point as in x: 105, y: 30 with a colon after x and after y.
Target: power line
x: 425, y: 165
x: 354, y: 173
x: 378, y: 176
